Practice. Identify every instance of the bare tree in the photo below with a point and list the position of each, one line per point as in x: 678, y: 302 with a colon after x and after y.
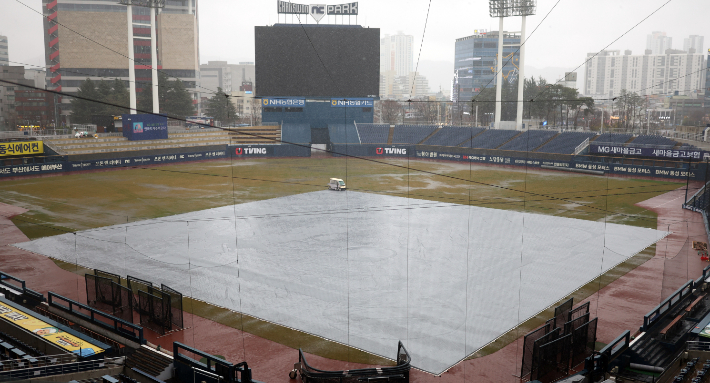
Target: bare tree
x: 391, y: 111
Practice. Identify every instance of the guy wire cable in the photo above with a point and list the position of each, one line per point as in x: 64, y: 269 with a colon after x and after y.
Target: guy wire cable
x: 420, y: 50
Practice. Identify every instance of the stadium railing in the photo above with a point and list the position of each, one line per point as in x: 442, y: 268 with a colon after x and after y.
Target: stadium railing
x: 654, y: 315
x: 4, y: 277
x: 119, y: 326
x: 398, y: 373
x: 61, y: 369
x: 698, y: 203
x: 213, y: 370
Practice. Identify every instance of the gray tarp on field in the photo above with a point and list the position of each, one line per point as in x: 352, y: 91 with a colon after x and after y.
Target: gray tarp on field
x: 365, y: 269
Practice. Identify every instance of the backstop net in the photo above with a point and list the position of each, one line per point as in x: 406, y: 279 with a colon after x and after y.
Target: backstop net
x: 110, y: 297
x: 584, y: 339
x: 154, y: 312
x: 528, y: 345
x: 175, y: 299
x: 562, y: 312
x: 553, y: 360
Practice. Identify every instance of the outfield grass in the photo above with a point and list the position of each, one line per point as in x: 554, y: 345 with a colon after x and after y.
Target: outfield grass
x: 82, y: 201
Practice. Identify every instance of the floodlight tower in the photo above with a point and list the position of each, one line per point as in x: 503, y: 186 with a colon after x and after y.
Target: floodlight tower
x: 152, y: 4
x: 507, y: 8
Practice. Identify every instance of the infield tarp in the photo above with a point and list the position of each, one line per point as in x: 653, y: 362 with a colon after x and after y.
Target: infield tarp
x: 366, y: 269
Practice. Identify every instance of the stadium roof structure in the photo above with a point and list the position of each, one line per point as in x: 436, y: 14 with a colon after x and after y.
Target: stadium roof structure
x: 365, y: 269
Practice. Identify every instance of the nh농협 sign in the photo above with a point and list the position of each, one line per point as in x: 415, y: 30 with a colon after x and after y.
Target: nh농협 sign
x: 352, y: 102
x: 293, y: 102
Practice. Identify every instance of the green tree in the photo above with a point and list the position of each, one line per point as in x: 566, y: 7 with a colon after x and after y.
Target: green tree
x: 83, y: 108
x: 221, y: 108
x: 173, y: 98
x: 118, y: 96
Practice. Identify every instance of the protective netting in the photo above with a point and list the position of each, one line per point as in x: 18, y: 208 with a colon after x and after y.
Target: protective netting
x: 176, y: 317
x: 535, y: 359
x: 572, y: 325
x: 579, y: 311
x: 109, y: 296
x: 528, y: 346
x: 105, y: 274
x: 584, y: 339
x: 676, y: 270
x: 154, y: 314
x: 562, y: 312
x: 553, y: 360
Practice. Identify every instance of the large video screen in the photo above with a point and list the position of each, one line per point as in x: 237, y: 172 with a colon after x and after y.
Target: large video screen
x: 317, y: 61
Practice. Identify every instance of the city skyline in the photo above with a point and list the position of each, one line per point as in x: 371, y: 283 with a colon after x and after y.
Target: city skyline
x: 445, y: 24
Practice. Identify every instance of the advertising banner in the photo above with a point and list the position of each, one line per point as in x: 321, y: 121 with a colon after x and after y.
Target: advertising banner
x: 679, y: 154
x: 287, y: 102
x: 247, y: 151
x: 352, y: 102
x: 48, y: 332
x: 289, y: 8
x: 343, y: 9
x: 21, y: 148
x: 138, y: 127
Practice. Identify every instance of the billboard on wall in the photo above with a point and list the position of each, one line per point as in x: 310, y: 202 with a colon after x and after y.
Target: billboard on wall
x: 347, y: 64
x: 138, y: 127
x: 289, y: 8
x: 21, y: 148
x: 678, y: 154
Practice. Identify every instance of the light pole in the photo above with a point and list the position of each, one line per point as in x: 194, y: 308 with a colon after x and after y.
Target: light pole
x: 501, y: 9
x: 152, y: 4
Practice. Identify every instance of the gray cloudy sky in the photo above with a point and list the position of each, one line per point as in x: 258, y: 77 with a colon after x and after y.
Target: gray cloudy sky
x: 572, y: 29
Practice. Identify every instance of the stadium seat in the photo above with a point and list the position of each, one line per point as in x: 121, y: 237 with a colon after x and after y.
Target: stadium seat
x: 529, y: 140
x: 373, y: 133
x: 566, y: 142
x: 452, y: 136
x: 490, y: 139
x: 411, y: 134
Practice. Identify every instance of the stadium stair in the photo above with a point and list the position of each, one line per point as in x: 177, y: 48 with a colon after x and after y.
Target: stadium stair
x: 429, y: 136
x: 71, y: 146
x: 546, y: 142
x: 511, y: 139
x: 255, y: 135
x: 148, y: 361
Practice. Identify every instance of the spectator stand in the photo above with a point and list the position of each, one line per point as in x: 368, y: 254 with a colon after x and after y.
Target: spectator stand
x: 190, y: 369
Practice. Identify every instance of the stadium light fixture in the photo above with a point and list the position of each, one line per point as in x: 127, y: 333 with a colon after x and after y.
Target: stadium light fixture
x: 152, y: 4
x: 502, y: 9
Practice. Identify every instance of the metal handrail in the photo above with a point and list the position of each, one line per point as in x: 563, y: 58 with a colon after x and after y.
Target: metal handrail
x: 39, y: 361
x: 61, y: 369
x: 697, y: 346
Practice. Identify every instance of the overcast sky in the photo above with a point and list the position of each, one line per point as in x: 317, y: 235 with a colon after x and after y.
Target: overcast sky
x: 560, y: 44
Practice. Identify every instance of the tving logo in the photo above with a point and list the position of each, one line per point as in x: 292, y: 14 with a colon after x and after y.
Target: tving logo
x: 402, y: 151
x: 238, y: 151
x: 254, y: 150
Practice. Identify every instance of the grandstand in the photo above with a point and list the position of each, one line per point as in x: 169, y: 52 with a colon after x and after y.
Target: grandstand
x: 490, y: 139
x: 343, y: 134
x: 265, y: 134
x: 411, y: 134
x: 565, y: 142
x: 658, y: 141
x: 529, y: 140
x: 613, y: 138
x: 297, y: 133
x: 374, y: 133
x: 452, y: 136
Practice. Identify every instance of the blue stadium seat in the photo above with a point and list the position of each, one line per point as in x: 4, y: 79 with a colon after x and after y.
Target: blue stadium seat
x: 373, y: 133
x: 490, y: 139
x: 452, y: 135
x: 296, y: 133
x: 529, y: 140
x: 566, y: 142
x: 343, y: 134
x: 411, y: 134
x: 654, y: 140
x: 612, y: 138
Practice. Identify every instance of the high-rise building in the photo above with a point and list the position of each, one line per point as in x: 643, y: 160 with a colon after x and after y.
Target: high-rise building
x: 90, y: 40
x: 707, y: 81
x: 475, y: 62
x: 227, y: 76
x: 658, y: 42
x: 693, y: 42
x: 4, y: 56
x: 608, y: 72
x: 8, y: 114
x: 396, y: 54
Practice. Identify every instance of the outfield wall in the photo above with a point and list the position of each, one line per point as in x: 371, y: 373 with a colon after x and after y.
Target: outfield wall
x: 633, y: 167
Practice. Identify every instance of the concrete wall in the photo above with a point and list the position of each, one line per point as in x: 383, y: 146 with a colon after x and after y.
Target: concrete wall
x: 108, y: 28
x: 176, y: 41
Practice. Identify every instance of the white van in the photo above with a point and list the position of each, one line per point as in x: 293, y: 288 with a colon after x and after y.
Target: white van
x: 336, y: 184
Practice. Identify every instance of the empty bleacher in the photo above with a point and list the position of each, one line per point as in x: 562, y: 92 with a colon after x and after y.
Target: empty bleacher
x: 612, y: 138
x: 106, y: 144
x: 411, y: 134
x: 265, y: 134
x: 452, y: 136
x: 343, y: 134
x: 490, y: 139
x: 373, y: 133
x: 296, y: 133
x: 565, y: 143
x: 528, y: 141
x: 654, y: 140
x: 150, y: 362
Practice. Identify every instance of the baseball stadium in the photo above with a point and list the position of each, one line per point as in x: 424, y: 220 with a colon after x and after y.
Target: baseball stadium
x: 320, y: 246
